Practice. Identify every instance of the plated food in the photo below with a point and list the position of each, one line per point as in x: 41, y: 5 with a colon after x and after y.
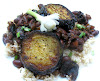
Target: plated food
x: 38, y: 40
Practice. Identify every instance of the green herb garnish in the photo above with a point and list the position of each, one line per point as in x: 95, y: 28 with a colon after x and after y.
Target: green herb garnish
x: 79, y: 26
x: 25, y: 28
x: 82, y: 34
x: 16, y: 57
x: 22, y: 27
x: 18, y: 34
x: 75, y: 61
x: 70, y: 54
x: 92, y: 53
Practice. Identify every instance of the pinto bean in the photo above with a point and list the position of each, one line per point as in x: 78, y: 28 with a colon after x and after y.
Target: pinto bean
x: 17, y: 63
x: 92, y: 27
x: 40, y: 6
x: 65, y: 58
x: 10, y: 36
x: 6, y: 39
x: 58, y: 34
x: 95, y: 33
x: 62, y: 42
x: 65, y: 36
x: 75, y: 43
x: 32, y: 25
x: 60, y: 30
x: 88, y: 16
x: 38, y: 24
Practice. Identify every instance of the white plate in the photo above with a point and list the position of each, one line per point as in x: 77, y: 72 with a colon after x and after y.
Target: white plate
x: 9, y: 9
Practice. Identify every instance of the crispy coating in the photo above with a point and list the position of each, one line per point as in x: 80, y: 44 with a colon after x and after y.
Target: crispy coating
x: 41, y: 52
x: 63, y: 12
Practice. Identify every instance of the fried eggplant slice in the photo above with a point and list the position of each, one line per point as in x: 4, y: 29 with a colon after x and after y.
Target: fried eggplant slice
x: 41, y: 52
x: 67, y: 19
x: 63, y: 12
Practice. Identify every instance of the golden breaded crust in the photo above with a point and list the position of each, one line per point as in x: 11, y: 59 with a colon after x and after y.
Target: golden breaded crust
x: 63, y: 12
x: 42, y: 51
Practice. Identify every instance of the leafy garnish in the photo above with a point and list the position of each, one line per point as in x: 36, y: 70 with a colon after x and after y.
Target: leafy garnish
x: 25, y: 28
x: 18, y: 34
x: 79, y: 26
x: 92, y: 53
x: 22, y: 27
x: 70, y: 54
x: 75, y: 61
x: 16, y: 57
x: 82, y: 34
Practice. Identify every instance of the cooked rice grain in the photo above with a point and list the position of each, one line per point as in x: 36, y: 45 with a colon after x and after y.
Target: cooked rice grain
x: 12, y: 49
x: 85, y: 57
x: 29, y: 76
